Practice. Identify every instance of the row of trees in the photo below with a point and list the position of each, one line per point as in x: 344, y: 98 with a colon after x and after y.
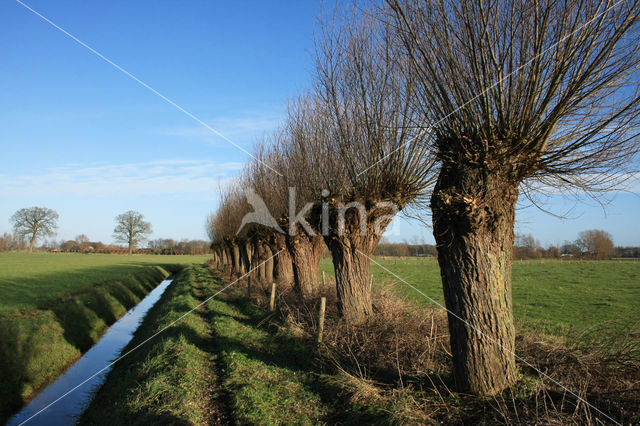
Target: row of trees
x: 10, y: 241
x: 171, y: 246
x: 36, y: 223
x: 461, y: 107
x: 386, y: 248
x: 82, y: 244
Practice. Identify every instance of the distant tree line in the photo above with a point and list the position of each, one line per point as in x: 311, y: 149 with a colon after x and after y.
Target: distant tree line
x: 386, y: 248
x: 626, y: 252
x: 593, y: 244
x: 170, y: 246
x: 10, y: 241
x: 82, y: 244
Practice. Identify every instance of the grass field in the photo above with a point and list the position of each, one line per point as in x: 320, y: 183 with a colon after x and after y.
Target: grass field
x: 29, y: 280
x: 550, y: 296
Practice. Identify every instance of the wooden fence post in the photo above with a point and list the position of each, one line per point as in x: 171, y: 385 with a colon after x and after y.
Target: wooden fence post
x: 324, y: 283
x: 272, y: 301
x: 323, y: 305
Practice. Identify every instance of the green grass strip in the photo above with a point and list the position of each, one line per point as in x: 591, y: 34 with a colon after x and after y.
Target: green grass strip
x: 266, y: 371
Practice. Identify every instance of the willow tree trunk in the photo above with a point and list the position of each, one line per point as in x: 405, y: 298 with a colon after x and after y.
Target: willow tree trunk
x: 306, y: 252
x: 282, y: 268
x: 260, y: 255
x: 255, y: 260
x: 352, y: 247
x: 268, y: 264
x: 245, y: 255
x: 225, y: 259
x: 236, y: 265
x: 473, y: 216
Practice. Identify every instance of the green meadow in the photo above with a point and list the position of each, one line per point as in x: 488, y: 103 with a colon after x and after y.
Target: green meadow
x: 29, y: 280
x: 557, y: 297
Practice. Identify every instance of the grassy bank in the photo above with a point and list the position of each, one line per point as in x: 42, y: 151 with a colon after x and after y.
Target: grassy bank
x: 169, y: 379
x: 228, y: 362
x: 561, y: 298
x: 59, y: 309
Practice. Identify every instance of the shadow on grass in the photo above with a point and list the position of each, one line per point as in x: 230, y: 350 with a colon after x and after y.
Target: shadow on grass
x: 277, y: 347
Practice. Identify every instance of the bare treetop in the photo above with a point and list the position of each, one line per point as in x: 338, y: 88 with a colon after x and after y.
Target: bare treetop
x: 548, y: 89
x: 370, y: 102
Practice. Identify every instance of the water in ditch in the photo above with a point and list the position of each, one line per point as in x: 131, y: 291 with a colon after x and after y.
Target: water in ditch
x: 62, y: 402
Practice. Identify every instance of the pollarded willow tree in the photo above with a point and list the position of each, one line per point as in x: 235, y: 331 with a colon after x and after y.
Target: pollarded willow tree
x: 301, y: 148
x: 518, y: 95
x: 373, y: 159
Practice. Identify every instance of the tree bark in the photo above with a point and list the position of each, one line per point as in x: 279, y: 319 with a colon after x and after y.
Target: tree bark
x: 306, y: 252
x: 245, y: 255
x: 283, y: 269
x: 473, y: 215
x: 224, y: 259
x: 268, y: 264
x: 32, y: 242
x: 351, y: 248
x: 259, y: 256
x: 233, y: 254
x: 237, y: 261
x: 352, y: 278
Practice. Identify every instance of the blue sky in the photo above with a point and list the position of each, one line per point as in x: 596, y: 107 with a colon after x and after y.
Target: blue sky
x: 81, y: 137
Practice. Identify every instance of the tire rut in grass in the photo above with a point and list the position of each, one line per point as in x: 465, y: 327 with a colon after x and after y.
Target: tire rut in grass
x: 218, y: 406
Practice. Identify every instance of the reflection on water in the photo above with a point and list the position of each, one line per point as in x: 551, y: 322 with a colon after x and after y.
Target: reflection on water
x: 71, y: 406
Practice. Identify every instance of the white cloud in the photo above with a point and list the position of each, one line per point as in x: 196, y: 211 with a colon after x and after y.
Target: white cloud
x: 242, y: 128
x: 146, y: 178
